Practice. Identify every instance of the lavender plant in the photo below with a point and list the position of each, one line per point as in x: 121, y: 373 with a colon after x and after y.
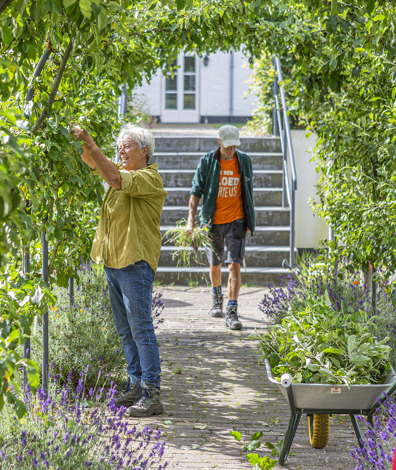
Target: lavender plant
x: 379, y: 439
x: 84, y: 333
x: 314, y: 276
x: 76, y: 429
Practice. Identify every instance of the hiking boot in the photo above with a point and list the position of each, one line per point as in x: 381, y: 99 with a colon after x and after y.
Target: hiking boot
x: 217, y: 306
x: 129, y: 395
x: 231, y: 318
x: 149, y: 403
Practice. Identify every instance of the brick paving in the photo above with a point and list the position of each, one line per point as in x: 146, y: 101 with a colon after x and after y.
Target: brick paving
x: 212, y: 384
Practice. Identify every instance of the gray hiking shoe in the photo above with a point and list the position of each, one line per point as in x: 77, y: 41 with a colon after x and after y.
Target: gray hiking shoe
x: 149, y: 403
x: 129, y: 395
x: 217, y: 306
x: 231, y: 318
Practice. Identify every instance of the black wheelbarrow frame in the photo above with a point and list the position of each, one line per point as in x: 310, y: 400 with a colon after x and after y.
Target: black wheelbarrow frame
x: 311, y: 399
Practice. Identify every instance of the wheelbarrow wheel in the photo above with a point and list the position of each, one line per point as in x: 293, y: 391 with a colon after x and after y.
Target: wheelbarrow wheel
x: 319, y: 430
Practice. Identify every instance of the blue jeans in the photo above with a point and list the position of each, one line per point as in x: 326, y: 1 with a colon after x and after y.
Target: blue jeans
x: 130, y: 291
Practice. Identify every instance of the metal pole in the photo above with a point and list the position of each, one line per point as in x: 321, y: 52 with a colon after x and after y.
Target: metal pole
x: 231, y: 85
x: 292, y: 228
x: 71, y: 292
x: 373, y: 291
x: 122, y: 109
x: 26, y: 346
x: 275, y: 127
x: 45, y: 316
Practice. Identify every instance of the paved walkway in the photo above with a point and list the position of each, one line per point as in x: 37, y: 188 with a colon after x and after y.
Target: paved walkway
x: 212, y: 384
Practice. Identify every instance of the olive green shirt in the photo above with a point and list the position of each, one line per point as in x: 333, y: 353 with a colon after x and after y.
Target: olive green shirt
x: 129, y: 225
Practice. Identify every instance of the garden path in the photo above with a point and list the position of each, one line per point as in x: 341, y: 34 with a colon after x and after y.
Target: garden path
x: 212, y: 384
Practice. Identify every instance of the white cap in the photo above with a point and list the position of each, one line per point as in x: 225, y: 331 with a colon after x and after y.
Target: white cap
x: 229, y: 136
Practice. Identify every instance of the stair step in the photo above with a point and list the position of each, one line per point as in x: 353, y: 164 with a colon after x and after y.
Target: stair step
x: 262, y: 196
x: 265, y: 215
x: 189, y: 160
x: 255, y: 256
x: 263, y: 276
x: 263, y: 236
x: 206, y: 144
x: 179, y: 178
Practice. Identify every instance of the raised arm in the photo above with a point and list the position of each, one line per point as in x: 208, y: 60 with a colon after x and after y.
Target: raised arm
x: 105, y: 167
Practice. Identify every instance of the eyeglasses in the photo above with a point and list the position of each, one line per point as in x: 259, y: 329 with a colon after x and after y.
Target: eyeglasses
x: 126, y: 147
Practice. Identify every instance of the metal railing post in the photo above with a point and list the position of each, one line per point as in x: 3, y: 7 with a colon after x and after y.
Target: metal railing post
x: 288, y: 187
x: 292, y: 228
x: 26, y: 346
x: 71, y: 291
x: 275, y: 127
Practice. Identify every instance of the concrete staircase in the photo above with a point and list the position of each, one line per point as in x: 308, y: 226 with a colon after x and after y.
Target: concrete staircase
x: 177, y: 158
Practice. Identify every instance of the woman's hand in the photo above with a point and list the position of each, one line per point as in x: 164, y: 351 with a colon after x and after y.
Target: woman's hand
x: 81, y: 134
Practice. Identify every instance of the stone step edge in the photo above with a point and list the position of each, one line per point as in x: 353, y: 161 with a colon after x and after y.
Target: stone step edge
x: 260, y: 228
x: 205, y: 269
x: 258, y: 248
x: 194, y: 154
x: 257, y: 190
x: 257, y: 208
x: 187, y: 171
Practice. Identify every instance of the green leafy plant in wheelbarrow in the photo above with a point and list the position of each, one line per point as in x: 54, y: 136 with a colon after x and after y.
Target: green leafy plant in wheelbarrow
x: 326, y: 362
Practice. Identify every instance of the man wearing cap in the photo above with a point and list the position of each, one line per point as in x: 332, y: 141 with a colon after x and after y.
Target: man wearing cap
x: 224, y: 180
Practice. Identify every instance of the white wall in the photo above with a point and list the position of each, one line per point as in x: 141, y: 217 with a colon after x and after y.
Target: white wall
x: 214, y: 92
x: 309, y: 227
x: 244, y: 104
x: 148, y: 96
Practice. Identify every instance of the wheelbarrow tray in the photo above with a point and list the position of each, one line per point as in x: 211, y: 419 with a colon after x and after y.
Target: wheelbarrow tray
x: 337, y: 397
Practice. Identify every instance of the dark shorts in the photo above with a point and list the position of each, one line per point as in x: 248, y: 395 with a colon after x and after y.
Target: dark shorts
x: 234, y: 234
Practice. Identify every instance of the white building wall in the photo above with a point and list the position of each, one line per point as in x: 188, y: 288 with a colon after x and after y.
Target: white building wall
x: 244, y: 104
x: 214, y: 88
x: 215, y: 85
x: 310, y: 229
x: 148, y: 96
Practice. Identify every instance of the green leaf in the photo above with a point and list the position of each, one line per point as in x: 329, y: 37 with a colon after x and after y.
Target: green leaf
x: 333, y: 351
x: 102, y: 20
x: 33, y: 375
x: 360, y: 360
x: 68, y: 3
x: 6, y: 35
x: 256, y: 435
x: 180, y: 4
x: 236, y: 434
x: 252, y: 445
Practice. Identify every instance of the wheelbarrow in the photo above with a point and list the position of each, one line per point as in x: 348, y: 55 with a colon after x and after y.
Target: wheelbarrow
x: 319, y: 401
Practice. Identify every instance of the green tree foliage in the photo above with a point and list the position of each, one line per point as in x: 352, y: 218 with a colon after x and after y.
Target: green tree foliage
x: 94, y: 47
x: 339, y: 74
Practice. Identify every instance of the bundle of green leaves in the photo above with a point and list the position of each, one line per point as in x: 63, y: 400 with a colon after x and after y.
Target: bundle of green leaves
x: 321, y: 345
x: 188, y: 243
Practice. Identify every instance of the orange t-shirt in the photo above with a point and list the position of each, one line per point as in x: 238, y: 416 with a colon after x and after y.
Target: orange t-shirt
x: 229, y: 202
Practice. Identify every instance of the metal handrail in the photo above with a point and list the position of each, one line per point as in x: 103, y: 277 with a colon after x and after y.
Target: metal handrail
x: 282, y: 128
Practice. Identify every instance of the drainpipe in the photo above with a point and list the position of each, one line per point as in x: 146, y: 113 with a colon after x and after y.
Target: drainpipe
x: 231, y: 85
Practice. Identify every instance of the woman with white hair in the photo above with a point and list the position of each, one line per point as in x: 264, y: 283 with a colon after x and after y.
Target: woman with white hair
x: 128, y: 240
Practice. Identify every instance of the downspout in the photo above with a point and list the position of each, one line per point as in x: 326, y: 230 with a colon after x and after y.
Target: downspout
x: 231, y: 85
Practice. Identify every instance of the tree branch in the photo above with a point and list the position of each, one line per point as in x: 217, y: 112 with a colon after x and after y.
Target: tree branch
x: 4, y: 4
x: 44, y: 114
